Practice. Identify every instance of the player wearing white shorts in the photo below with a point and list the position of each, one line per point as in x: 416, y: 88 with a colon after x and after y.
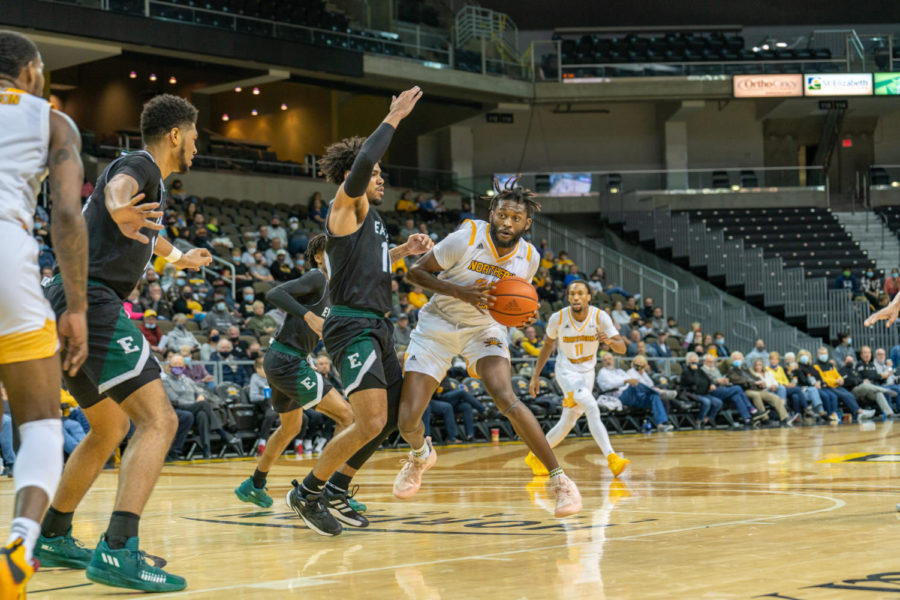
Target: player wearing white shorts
x: 33, y: 138
x: 461, y: 270
x: 578, y: 329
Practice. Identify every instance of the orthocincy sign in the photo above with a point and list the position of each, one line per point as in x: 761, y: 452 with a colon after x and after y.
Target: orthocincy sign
x: 838, y: 84
x: 768, y: 86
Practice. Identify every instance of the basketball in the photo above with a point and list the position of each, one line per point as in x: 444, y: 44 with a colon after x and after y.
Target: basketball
x: 515, y: 301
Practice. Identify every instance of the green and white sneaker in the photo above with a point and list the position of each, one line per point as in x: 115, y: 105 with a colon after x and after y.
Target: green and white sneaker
x: 246, y: 492
x: 128, y: 568
x: 355, y: 504
x: 62, y: 551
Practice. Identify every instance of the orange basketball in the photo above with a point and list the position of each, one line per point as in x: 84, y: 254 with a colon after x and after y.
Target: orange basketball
x: 515, y: 301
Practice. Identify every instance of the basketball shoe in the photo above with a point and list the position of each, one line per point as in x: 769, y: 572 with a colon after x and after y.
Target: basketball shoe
x: 313, y: 512
x: 247, y: 493
x: 409, y: 479
x: 338, y: 503
x: 62, y: 551
x: 537, y: 467
x: 568, y: 498
x: 128, y: 567
x: 616, y: 463
x: 15, y: 571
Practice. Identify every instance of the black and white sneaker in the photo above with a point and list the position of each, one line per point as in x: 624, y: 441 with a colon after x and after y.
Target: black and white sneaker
x: 313, y: 512
x: 337, y: 503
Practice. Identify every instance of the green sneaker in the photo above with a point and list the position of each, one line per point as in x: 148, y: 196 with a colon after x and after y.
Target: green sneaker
x: 62, y: 551
x: 355, y: 504
x: 246, y: 492
x: 128, y: 568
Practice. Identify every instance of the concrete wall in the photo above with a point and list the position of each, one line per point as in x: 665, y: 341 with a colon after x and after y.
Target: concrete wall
x: 730, y: 136
x: 887, y: 144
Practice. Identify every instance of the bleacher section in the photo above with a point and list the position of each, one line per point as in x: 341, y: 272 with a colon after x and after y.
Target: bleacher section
x: 891, y: 217
x: 809, y: 238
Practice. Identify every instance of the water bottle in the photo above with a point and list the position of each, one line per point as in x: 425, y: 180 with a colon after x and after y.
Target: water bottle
x: 267, y: 392
x: 646, y: 427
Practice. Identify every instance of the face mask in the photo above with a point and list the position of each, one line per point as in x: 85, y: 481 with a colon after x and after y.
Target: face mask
x: 177, y: 371
x: 846, y: 273
x: 760, y: 348
x: 849, y: 341
x: 849, y: 364
x: 895, y: 274
x: 150, y: 325
x: 720, y: 341
x: 823, y: 358
x: 804, y: 360
x: 870, y: 274
x: 225, y: 353
x: 249, y: 297
x: 180, y: 281
x: 737, y: 363
x: 187, y: 295
x: 295, y: 226
x: 220, y: 306
x: 179, y: 327
x: 214, y: 338
x: 259, y: 262
x: 188, y: 360
x: 300, y: 262
x: 253, y: 354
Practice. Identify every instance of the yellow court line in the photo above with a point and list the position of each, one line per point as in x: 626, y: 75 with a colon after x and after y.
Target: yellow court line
x: 845, y: 458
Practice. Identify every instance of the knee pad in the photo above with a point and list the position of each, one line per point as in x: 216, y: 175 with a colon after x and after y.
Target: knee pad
x: 39, y: 462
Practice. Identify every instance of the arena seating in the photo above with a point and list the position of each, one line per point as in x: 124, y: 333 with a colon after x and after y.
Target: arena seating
x: 891, y: 217
x: 809, y: 238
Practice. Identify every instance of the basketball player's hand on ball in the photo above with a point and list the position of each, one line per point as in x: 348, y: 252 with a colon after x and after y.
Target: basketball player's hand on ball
x: 194, y: 259
x: 419, y: 243
x: 888, y: 313
x: 532, y: 319
x: 315, y: 322
x: 72, y: 330
x: 478, y: 295
x: 133, y: 217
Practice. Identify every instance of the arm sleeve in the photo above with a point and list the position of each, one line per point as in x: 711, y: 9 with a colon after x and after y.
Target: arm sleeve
x: 452, y: 248
x: 287, y: 295
x: 361, y: 172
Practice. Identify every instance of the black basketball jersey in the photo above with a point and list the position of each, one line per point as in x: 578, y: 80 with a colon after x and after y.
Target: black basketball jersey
x: 114, y: 259
x: 360, y: 266
x: 294, y: 331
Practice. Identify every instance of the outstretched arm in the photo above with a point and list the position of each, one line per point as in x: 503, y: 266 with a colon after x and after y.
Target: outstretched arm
x: 192, y: 259
x: 69, y: 233
x: 351, y: 205
x: 122, y: 201
x: 888, y: 313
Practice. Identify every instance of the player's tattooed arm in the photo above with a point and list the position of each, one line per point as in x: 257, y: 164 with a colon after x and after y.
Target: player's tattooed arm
x: 69, y: 233
x: 423, y: 273
x: 416, y: 244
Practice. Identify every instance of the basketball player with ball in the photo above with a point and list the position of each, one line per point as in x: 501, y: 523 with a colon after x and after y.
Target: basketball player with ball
x: 578, y: 329
x: 480, y: 275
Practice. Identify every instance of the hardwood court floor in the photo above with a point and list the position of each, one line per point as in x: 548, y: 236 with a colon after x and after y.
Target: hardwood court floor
x: 771, y: 513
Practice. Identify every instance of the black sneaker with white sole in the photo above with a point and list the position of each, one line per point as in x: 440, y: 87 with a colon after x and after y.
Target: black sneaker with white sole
x: 313, y: 512
x: 337, y: 503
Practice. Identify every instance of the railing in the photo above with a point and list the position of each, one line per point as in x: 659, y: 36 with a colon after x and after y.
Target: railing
x: 883, y: 177
x: 186, y: 246
x: 620, y: 270
x: 591, y: 72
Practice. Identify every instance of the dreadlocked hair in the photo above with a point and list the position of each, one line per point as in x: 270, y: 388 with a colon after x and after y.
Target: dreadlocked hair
x: 316, y: 245
x: 339, y: 158
x: 512, y: 192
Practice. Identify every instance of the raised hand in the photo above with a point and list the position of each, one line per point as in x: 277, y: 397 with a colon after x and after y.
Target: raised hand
x: 419, y: 243
x: 133, y: 217
x: 403, y: 104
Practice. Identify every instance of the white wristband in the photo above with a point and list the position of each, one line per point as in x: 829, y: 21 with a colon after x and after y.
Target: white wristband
x: 175, y: 255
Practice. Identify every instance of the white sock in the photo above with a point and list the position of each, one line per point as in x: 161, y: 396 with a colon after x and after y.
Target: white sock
x: 28, y: 530
x: 422, y: 452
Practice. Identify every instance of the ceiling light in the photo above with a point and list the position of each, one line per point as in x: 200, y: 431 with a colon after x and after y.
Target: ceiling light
x: 152, y: 76
x: 256, y: 91
x: 132, y: 75
x: 237, y: 89
x: 284, y: 107
x: 254, y: 112
x: 781, y: 44
x: 172, y: 80
x: 225, y: 117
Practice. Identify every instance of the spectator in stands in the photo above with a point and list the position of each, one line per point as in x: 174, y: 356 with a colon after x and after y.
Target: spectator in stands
x: 871, y: 286
x: 467, y: 212
x: 249, y: 255
x: 532, y: 344
x: 694, y: 336
x: 282, y: 269
x: 46, y: 275
x: 7, y: 448
x: 241, y: 273
x: 208, y: 348
x: 660, y: 348
x: 844, y: 348
x: 184, y: 394
x: 724, y: 389
x: 150, y: 331
x: 260, y: 323
x: 833, y: 391
x: 755, y: 389
x: 697, y: 387
x: 87, y: 188
x: 417, y: 297
x: 177, y: 191
x: 788, y: 385
x: 405, y: 203
x: 719, y: 341
x: 277, y: 232
x: 634, y: 338
x: 457, y: 395
x: 772, y: 384
x: 240, y: 348
x: 259, y: 271
x: 201, y: 239
x: 409, y: 228
x: 647, y: 311
x: 619, y: 316
x: 758, y: 352
x: 807, y: 383
x: 402, y: 332
x: 195, y: 371
x: 259, y: 394
x: 179, y: 336
x: 264, y: 239
x: 220, y: 317
x: 298, y: 239
x: 595, y: 283
x: 271, y: 255
x: 642, y: 366
x: 213, y: 226
x: 892, y: 284
x: 445, y: 411
x: 628, y: 389
x: 132, y: 305
x: 317, y: 209
x: 572, y: 275
x: 403, y: 307
x: 156, y: 302
x: 672, y: 329
x: 549, y: 293
x: 323, y: 366
x: 658, y: 324
x: 539, y: 278
x: 170, y: 281
x: 245, y: 307
x: 847, y: 281
x: 861, y: 377
x: 230, y: 370
x: 631, y: 305
x: 886, y: 375
x: 548, y: 260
